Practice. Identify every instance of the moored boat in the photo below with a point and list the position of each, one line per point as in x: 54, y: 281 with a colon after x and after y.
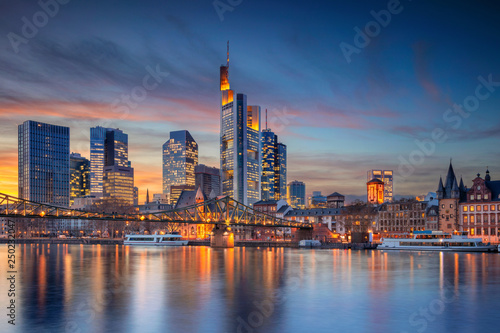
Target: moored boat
x: 437, y: 241
x: 155, y: 240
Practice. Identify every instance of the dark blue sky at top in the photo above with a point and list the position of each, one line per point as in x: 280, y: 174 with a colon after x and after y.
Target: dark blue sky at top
x: 338, y: 119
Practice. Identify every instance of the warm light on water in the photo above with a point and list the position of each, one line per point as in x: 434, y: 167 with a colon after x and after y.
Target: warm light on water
x: 94, y: 288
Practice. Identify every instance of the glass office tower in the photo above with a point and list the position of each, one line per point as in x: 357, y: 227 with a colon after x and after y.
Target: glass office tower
x: 108, y: 147
x: 43, y: 163
x: 273, y: 179
x: 80, y: 177
x: 180, y: 157
x: 297, y: 194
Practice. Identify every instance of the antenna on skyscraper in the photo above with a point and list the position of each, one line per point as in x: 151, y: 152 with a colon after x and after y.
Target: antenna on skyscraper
x: 227, y: 54
x: 266, y: 118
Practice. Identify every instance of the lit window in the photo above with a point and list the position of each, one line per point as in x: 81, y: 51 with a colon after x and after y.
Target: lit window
x: 471, y: 208
x: 485, y: 208
x: 486, y: 196
x: 478, y: 208
x: 492, y: 207
x: 479, y: 197
x: 465, y: 208
x: 472, y: 219
x: 472, y: 196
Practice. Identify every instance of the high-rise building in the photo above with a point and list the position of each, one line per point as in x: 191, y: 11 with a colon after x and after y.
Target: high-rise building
x: 180, y: 156
x: 375, y: 191
x: 280, y: 171
x: 118, y: 183
x: 386, y: 176
x: 79, y: 178
x: 297, y: 194
x: 43, y: 163
x: 208, y: 179
x: 240, y: 140
x: 136, y: 196
x: 273, y: 179
x: 108, y: 147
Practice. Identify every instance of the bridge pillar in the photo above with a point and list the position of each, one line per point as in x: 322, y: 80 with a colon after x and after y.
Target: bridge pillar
x: 222, y: 236
x: 301, y: 234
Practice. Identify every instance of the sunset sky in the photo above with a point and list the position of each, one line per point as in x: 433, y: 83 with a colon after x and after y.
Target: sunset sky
x: 337, y: 118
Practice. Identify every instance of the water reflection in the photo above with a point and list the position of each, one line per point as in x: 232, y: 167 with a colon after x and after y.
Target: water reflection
x: 76, y: 288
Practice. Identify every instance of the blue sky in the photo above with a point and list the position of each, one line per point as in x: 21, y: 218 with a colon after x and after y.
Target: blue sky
x: 338, y: 118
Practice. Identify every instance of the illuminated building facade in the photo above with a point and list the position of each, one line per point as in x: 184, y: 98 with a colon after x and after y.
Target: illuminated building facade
x: 180, y: 157
x: 296, y: 194
x: 240, y: 139
x: 375, y: 189
x: 108, y: 147
x: 387, y: 177
x: 43, y: 163
x: 208, y: 179
x: 480, y: 209
x: 273, y: 179
x: 79, y: 177
x: 118, y: 183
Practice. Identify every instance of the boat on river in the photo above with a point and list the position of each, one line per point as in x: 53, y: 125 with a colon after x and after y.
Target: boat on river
x: 155, y: 240
x: 437, y: 241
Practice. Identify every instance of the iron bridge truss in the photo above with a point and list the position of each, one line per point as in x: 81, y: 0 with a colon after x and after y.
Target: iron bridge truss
x: 214, y: 211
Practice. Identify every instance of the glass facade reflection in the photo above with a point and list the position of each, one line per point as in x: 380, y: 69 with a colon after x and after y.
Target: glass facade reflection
x: 273, y: 179
x: 108, y: 147
x: 180, y: 157
x: 43, y: 163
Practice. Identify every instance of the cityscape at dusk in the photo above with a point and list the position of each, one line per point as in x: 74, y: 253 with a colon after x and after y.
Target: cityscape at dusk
x: 249, y: 166
x: 338, y: 118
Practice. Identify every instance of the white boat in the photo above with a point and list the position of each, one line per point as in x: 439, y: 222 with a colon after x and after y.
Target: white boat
x: 437, y: 241
x: 155, y: 240
x: 309, y: 243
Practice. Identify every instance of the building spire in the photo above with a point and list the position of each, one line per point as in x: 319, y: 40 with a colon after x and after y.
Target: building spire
x: 227, y: 54
x: 266, y: 118
x: 147, y: 196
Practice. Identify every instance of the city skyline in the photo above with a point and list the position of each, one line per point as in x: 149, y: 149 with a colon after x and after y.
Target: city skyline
x: 392, y: 93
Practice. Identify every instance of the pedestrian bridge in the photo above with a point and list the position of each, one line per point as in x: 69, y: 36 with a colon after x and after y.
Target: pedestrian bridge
x: 220, y: 211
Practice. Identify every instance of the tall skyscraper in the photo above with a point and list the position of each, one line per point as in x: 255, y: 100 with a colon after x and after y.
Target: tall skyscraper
x: 208, y: 179
x: 43, y: 163
x: 80, y: 177
x: 273, y: 179
x: 180, y: 157
x: 108, y: 147
x: 385, y: 176
x: 296, y: 194
x: 240, y: 140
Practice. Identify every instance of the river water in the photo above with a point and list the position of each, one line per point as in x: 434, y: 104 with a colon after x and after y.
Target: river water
x: 94, y: 288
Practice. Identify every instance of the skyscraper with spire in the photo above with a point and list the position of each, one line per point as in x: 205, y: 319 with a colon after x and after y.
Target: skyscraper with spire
x: 240, y: 139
